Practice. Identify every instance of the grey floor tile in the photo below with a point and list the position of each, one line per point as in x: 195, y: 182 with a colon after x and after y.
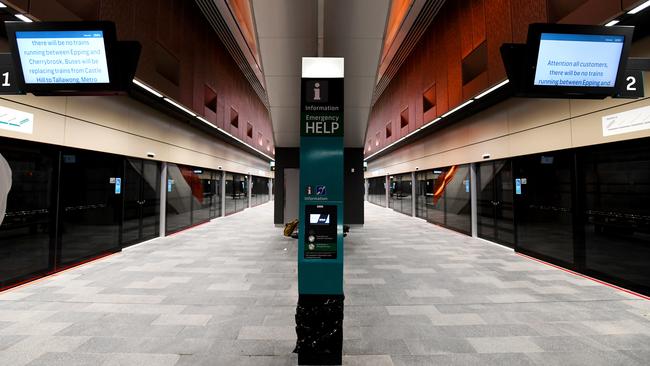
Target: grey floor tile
x: 8, y: 341
x: 416, y: 294
x: 69, y: 359
x: 584, y: 358
x: 439, y: 345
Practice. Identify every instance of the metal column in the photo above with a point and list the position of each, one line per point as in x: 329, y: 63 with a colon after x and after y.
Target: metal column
x: 473, y: 198
x: 413, y: 191
x: 387, y: 190
x: 223, y: 194
x: 250, y: 189
x: 163, y: 198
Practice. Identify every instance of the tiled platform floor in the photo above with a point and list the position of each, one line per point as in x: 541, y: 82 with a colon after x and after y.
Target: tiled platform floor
x: 224, y: 293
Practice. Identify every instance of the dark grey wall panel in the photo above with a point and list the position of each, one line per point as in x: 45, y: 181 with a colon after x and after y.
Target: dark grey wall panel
x: 353, y: 186
x: 289, y: 157
x: 285, y: 157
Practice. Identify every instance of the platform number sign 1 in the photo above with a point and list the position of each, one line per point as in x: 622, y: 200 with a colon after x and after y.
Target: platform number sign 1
x: 632, y: 85
x: 8, y: 83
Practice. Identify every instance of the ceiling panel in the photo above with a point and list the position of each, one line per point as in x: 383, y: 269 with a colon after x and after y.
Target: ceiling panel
x: 356, y: 119
x: 286, y: 91
x: 288, y: 30
x: 286, y: 18
x: 355, y: 18
x: 356, y: 66
x: 284, y: 55
x: 286, y: 127
x: 354, y: 29
x: 358, y: 91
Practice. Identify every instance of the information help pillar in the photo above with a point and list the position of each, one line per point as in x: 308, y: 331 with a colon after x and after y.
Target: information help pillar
x: 319, y: 314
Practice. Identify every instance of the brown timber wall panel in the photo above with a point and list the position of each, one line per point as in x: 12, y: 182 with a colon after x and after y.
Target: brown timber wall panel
x: 181, y: 55
x: 21, y: 4
x: 480, y: 82
x: 525, y: 12
x: 429, y: 68
x: 478, y: 22
x: 415, y: 81
x: 122, y: 14
x: 453, y: 53
x: 629, y: 4
x: 65, y: 10
x: 467, y: 44
x: 415, y: 105
x: 442, y: 104
x: 589, y: 11
x: 498, y: 31
x: 404, y: 104
x: 475, y: 28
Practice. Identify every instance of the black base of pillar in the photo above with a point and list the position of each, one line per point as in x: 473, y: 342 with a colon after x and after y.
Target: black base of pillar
x: 319, y: 359
x: 319, y: 327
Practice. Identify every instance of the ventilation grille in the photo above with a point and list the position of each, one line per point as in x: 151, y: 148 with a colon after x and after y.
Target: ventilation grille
x: 429, y: 11
x: 219, y: 25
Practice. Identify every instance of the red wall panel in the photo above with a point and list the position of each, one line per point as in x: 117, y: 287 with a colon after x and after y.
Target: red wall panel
x: 630, y: 4
x: 442, y: 104
x: 64, y: 10
x: 499, y: 31
x: 478, y: 22
x: 466, y: 31
x: 525, y: 12
x: 593, y: 12
x: 122, y: 14
x: 459, y: 28
x: 453, y: 53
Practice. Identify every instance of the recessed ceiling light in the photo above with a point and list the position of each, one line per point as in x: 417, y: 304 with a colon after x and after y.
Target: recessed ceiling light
x: 147, y: 88
x: 458, y: 108
x: 23, y: 18
x: 611, y: 23
x: 639, y: 8
x: 2, y: 5
x: 322, y: 67
x: 170, y: 101
x: 492, y: 89
x: 204, y: 121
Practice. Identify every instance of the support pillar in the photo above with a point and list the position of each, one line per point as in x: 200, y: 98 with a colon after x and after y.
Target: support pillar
x: 473, y: 198
x: 223, y: 194
x: 319, y: 314
x: 413, y: 191
x: 387, y: 190
x: 163, y: 199
x: 250, y: 190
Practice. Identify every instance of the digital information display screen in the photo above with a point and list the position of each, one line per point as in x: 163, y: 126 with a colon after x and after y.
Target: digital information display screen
x: 319, y: 219
x: 63, y: 57
x: 578, y: 60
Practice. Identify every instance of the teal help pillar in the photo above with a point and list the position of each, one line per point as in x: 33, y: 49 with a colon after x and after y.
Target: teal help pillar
x: 319, y: 315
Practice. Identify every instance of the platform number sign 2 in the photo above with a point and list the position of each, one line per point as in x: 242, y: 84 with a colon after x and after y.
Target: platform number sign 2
x: 8, y: 83
x: 632, y: 85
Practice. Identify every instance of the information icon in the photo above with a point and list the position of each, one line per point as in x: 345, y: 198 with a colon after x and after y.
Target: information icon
x: 321, y: 190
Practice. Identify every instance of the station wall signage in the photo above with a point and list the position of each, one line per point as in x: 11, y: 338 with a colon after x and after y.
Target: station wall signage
x: 321, y: 107
x: 634, y: 120
x: 583, y: 60
x: 16, y: 121
x: 63, y: 57
x: 569, y: 61
x: 71, y: 58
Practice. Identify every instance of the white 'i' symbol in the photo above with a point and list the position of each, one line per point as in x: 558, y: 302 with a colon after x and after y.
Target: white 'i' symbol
x: 317, y: 91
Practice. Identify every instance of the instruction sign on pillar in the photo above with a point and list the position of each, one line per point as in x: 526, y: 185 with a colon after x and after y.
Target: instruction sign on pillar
x: 319, y: 315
